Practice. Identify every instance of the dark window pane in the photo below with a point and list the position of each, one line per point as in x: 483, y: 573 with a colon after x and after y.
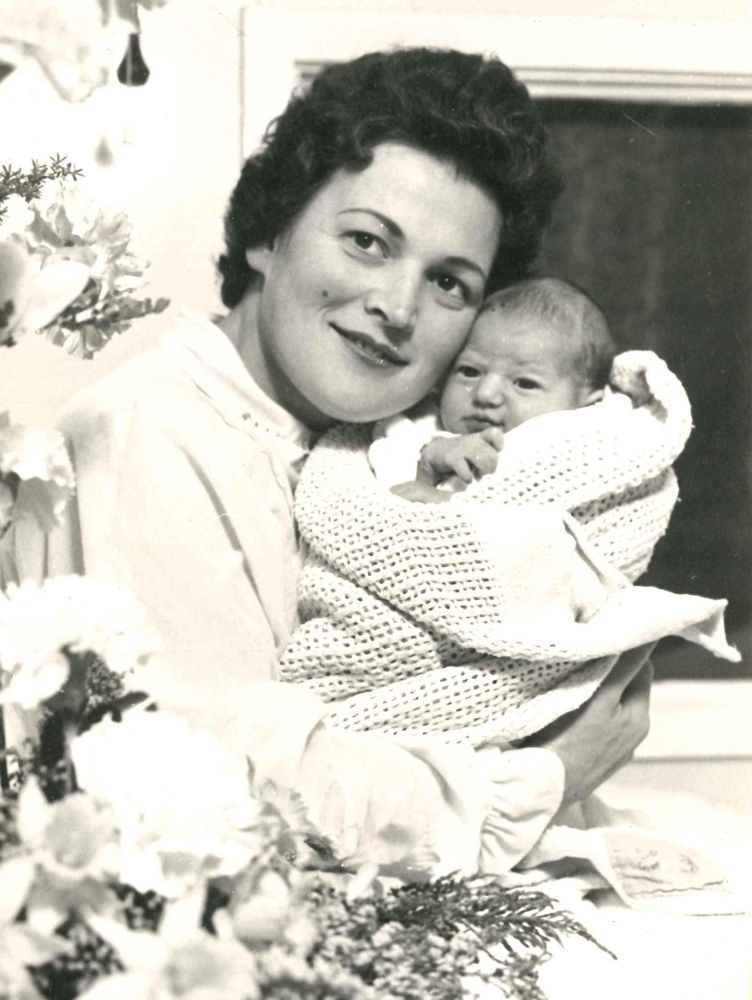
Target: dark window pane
x: 656, y: 223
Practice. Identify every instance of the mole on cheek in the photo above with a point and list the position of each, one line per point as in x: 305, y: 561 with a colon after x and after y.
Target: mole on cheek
x: 325, y: 294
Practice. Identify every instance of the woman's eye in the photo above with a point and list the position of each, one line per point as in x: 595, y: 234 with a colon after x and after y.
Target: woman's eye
x: 527, y: 383
x: 451, y: 285
x: 367, y: 243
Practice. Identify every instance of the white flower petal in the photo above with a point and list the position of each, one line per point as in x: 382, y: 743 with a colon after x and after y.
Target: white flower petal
x: 34, y: 813
x: 51, y: 291
x: 16, y: 877
x: 119, y: 986
x: 35, y: 683
x: 14, y: 285
x: 80, y: 613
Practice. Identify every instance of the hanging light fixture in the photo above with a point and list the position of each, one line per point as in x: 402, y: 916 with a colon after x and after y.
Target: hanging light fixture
x: 133, y: 71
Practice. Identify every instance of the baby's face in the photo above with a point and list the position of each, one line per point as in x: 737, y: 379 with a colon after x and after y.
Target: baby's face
x: 512, y: 368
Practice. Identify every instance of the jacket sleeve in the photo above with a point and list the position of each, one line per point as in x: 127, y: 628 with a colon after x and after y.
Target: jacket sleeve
x: 155, y: 511
x: 401, y: 804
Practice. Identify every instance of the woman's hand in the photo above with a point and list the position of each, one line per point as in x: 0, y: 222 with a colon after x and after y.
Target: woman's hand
x: 602, y: 735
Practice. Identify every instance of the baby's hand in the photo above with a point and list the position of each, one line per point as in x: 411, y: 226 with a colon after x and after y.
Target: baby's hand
x: 418, y: 492
x: 468, y: 456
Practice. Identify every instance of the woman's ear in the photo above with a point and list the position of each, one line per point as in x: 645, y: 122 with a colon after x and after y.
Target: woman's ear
x: 259, y: 258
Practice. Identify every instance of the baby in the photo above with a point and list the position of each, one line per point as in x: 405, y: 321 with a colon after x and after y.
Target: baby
x: 537, y: 347
x: 482, y: 618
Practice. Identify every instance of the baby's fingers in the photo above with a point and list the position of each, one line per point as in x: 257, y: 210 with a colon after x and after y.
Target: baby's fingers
x: 485, y: 459
x: 461, y: 467
x: 494, y: 436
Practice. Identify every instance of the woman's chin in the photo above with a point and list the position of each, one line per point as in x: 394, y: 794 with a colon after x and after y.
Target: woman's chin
x: 358, y: 409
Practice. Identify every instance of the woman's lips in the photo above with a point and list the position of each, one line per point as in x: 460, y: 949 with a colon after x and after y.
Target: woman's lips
x: 376, y: 353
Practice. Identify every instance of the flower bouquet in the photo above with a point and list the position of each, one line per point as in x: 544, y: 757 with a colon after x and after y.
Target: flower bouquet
x: 67, y: 271
x: 137, y: 860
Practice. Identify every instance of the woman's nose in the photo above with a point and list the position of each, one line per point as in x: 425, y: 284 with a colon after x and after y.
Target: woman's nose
x: 395, y: 298
x: 490, y: 391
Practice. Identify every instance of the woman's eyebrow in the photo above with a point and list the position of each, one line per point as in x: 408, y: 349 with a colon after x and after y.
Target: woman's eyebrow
x: 394, y: 230
x: 387, y: 223
x: 468, y: 264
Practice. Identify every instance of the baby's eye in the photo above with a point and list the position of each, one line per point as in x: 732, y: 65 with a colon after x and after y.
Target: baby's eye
x: 467, y: 371
x: 527, y: 383
x: 367, y: 243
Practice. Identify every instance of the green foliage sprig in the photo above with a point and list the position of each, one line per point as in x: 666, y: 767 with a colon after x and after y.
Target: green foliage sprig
x: 421, y: 939
x: 28, y: 183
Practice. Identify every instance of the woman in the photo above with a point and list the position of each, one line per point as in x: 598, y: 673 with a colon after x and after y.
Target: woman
x: 360, y: 242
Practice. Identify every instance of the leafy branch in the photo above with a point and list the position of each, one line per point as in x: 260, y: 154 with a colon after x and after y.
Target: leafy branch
x: 28, y: 183
x: 422, y: 939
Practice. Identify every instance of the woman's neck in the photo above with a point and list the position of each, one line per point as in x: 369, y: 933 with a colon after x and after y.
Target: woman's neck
x: 241, y: 325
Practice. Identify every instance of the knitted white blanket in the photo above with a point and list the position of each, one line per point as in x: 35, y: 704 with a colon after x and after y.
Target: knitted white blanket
x: 473, y: 621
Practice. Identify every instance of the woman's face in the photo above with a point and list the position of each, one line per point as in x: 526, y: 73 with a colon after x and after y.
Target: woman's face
x: 369, y: 294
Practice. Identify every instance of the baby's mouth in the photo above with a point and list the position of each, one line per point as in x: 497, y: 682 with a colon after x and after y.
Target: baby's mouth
x: 381, y: 355
x: 476, y: 423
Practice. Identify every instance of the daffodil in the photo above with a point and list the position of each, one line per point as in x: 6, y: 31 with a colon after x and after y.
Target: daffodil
x: 41, y: 626
x: 183, y: 808
x: 69, y: 851
x: 180, y: 960
x: 36, y: 476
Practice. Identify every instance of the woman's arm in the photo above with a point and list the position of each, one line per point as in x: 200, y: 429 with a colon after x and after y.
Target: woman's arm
x: 600, y: 737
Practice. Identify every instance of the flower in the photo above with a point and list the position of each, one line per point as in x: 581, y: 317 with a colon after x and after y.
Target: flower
x: 32, y: 297
x: 76, y: 271
x: 179, y: 960
x: 183, y: 809
x: 198, y: 968
x: 67, y: 225
x: 40, y: 626
x: 69, y: 851
x: 285, y: 821
x: 267, y: 906
x: 39, y: 459
x: 20, y: 947
x: 73, y: 839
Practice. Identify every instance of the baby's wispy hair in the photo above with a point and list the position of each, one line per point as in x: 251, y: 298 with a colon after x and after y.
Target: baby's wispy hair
x: 569, y: 309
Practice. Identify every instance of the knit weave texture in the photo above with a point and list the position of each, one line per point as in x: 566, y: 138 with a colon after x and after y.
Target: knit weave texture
x: 403, y: 612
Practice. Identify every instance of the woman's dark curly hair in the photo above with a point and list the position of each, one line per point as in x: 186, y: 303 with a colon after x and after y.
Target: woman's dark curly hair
x: 466, y: 109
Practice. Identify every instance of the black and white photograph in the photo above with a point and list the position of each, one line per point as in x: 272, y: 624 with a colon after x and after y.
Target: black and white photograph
x: 375, y: 500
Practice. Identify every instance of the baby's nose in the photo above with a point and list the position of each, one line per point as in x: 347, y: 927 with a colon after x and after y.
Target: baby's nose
x: 491, y: 391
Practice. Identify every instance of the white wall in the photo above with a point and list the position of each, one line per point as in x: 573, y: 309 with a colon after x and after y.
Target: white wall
x: 175, y: 174
x: 663, y: 10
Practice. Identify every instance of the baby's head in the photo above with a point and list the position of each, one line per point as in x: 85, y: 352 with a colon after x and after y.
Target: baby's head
x: 538, y: 346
